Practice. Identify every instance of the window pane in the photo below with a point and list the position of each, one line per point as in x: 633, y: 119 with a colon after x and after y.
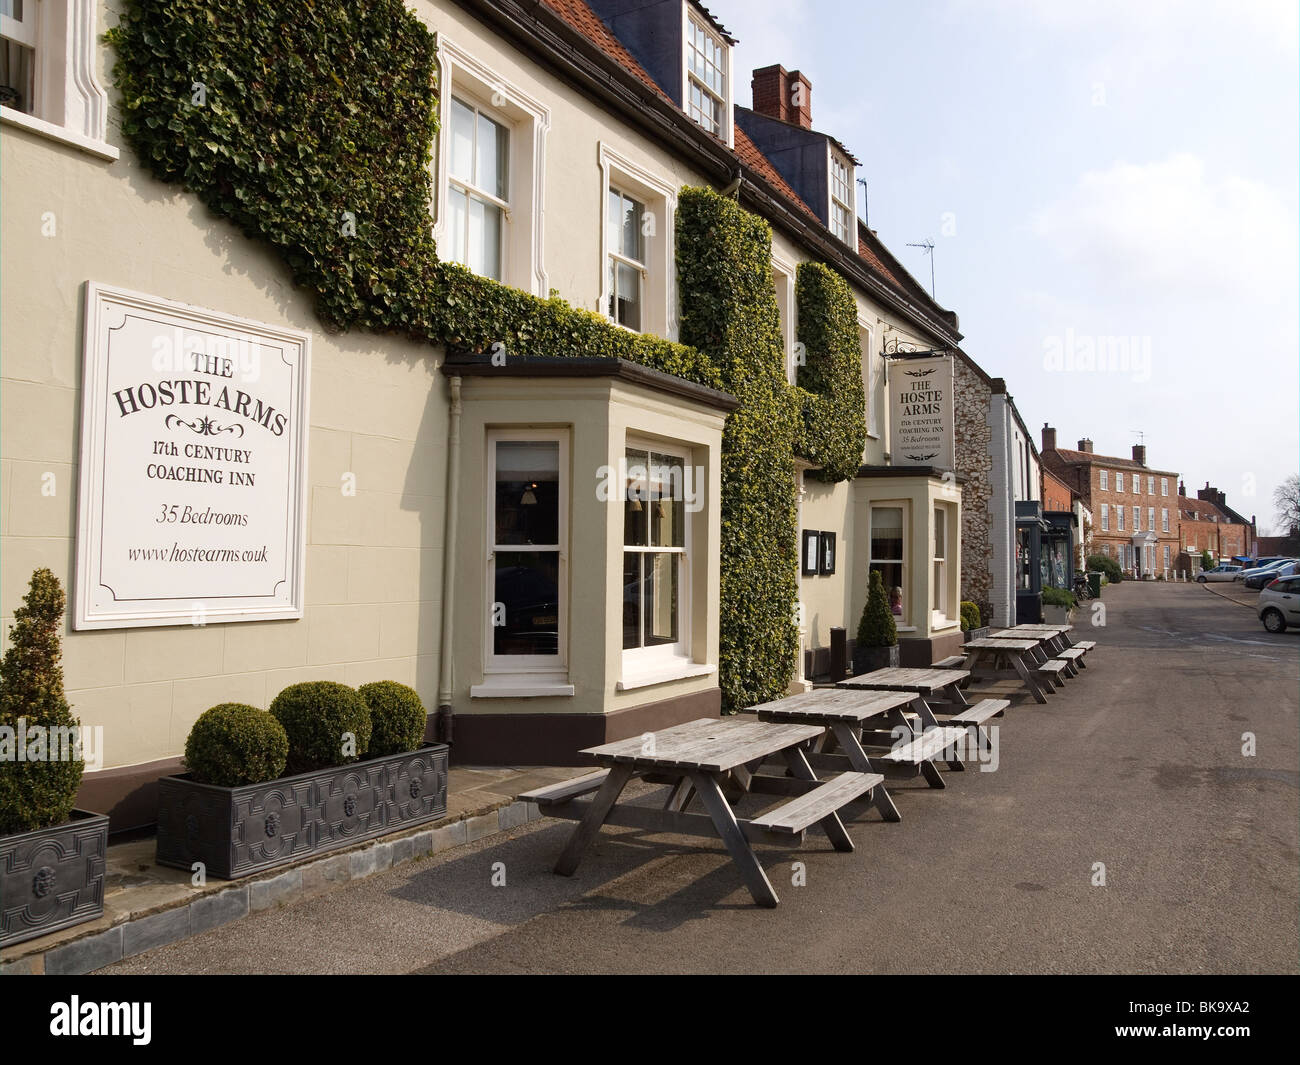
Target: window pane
x: 887, y: 534
x: 938, y: 533
x: 461, y: 150
x: 457, y: 226
x: 661, y: 599
x: 668, y: 524
x: 527, y: 586
x: 632, y: 212
x: 631, y: 599
x: 636, y: 500
x: 891, y: 573
x: 493, y: 149
x: 528, y: 492
x: 491, y: 251
x: 615, y: 221
x: 629, y: 296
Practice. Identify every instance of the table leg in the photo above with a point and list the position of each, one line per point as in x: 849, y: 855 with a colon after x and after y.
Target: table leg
x: 724, y: 820
x: 923, y: 711
x: 956, y: 695
x: 680, y: 795
x: 586, y: 829
x: 1023, y: 670
x: 831, y: 825
x: 852, y: 746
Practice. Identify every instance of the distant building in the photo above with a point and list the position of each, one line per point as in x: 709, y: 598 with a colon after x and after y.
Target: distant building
x: 1207, y: 524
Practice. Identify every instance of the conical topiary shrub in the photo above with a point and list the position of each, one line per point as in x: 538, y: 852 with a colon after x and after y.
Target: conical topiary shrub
x: 877, y: 643
x: 38, y: 791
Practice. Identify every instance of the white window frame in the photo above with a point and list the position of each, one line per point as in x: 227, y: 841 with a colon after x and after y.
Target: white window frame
x: 939, y: 614
x: 904, y: 506
x: 1137, y: 519
x: 872, y: 387
x: 1151, y: 519
x: 783, y: 279
x: 643, y: 664
x: 540, y: 667
x: 68, y: 102
x: 1164, y: 519
x: 1105, y: 517
x: 1166, y: 557
x: 728, y: 132
x: 1151, y: 485
x: 659, y: 289
x: 849, y: 235
x: 528, y: 122
x: 1119, y: 517
x: 1103, y: 482
x: 1164, y: 486
x: 475, y: 191
x: 1119, y: 481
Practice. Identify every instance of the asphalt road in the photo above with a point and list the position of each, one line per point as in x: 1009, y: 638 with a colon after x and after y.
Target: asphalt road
x: 1138, y: 765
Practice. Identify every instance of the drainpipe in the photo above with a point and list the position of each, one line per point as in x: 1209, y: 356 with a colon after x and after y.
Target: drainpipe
x: 444, y: 720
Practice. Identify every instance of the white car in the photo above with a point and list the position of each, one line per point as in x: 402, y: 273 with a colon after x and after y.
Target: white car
x: 1279, y: 605
x: 1222, y: 572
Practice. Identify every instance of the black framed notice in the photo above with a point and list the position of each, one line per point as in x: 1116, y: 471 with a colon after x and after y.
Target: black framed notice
x: 826, y: 554
x: 811, y: 554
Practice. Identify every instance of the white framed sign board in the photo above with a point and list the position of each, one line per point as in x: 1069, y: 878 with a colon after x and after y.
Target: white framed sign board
x: 921, y: 412
x: 193, y: 477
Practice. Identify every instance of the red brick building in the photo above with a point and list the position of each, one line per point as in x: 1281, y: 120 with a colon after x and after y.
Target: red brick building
x: 1134, y: 507
x: 1057, y: 495
x: 1207, y: 524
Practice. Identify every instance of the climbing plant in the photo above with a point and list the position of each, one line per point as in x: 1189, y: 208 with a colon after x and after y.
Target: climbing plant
x: 729, y: 312
x: 310, y: 127
x: 832, y: 428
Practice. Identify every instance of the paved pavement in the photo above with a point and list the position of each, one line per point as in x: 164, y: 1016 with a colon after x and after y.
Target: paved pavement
x: 1137, y: 765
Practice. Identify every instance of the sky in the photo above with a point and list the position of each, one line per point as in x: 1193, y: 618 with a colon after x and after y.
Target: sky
x: 1111, y: 188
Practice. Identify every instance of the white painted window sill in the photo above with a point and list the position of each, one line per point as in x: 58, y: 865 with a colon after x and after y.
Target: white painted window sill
x: 99, y: 149
x: 663, y: 674
x: 522, y: 688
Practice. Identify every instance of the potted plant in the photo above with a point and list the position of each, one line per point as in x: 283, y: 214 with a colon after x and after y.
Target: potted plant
x: 356, y: 768
x: 1058, y: 606
x: 877, y: 643
x: 971, y: 627
x: 51, y: 855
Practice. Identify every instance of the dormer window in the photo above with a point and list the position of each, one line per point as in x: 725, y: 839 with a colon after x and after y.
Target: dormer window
x: 707, y: 91
x: 842, y: 207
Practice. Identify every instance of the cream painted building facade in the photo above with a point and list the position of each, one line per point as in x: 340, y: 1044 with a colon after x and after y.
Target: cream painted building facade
x: 425, y: 479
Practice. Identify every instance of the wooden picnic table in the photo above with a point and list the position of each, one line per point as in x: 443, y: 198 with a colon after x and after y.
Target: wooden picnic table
x: 988, y: 655
x: 937, y: 687
x: 702, y: 758
x: 1053, y: 635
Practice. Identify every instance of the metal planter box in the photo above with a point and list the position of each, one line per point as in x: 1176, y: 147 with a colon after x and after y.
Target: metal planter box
x: 238, y: 831
x: 53, y: 877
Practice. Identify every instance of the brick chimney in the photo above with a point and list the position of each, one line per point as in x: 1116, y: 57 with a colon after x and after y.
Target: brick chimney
x: 1182, y: 488
x: 783, y: 94
x: 1085, y: 445
x: 1140, y: 454
x: 1212, y: 495
x: 1049, y: 438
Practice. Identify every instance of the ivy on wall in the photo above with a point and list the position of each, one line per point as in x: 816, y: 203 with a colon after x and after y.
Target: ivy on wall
x: 729, y: 312
x: 310, y: 126
x: 832, y: 428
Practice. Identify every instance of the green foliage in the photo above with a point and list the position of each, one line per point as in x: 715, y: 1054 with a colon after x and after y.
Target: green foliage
x: 729, y: 312
x: 397, y: 717
x: 970, y: 616
x: 832, y: 430
x: 1059, y: 597
x: 1207, y: 560
x: 310, y: 127
x: 1108, y: 566
x: 877, y: 628
x: 41, y: 792
x: 232, y: 744
x: 327, y: 724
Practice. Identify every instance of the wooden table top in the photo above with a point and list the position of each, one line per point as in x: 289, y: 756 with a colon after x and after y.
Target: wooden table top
x: 923, y: 681
x: 834, y: 704
x: 1053, y: 629
x: 1021, y: 634
x: 1003, y: 643
x: 712, y: 744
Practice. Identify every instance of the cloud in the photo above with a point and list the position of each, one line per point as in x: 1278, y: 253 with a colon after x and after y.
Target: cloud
x: 1173, y: 232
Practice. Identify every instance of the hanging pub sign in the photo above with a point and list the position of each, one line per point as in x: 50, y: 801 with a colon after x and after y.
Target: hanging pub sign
x: 193, y: 465
x: 921, y: 412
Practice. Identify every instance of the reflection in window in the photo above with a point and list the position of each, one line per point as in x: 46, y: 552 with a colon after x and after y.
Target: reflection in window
x: 887, y: 554
x: 477, y: 161
x: 626, y: 259
x: 654, y: 548
x: 526, y: 548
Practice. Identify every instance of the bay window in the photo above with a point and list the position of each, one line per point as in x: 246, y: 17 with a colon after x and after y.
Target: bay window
x: 655, y: 555
x: 887, y: 556
x: 526, y: 534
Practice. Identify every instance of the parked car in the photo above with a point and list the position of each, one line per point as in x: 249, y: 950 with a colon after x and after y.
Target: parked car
x: 1222, y: 572
x: 1279, y: 604
x: 1260, y: 578
x: 1264, y: 565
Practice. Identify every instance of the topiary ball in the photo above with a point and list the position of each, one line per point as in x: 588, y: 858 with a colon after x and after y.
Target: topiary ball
x: 397, y: 717
x: 327, y: 723
x: 232, y: 744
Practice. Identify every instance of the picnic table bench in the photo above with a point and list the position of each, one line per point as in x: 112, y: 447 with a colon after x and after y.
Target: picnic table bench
x: 990, y: 655
x: 1060, y: 638
x: 703, y: 757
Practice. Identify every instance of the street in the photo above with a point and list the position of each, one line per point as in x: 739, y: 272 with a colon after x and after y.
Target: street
x: 1124, y: 830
